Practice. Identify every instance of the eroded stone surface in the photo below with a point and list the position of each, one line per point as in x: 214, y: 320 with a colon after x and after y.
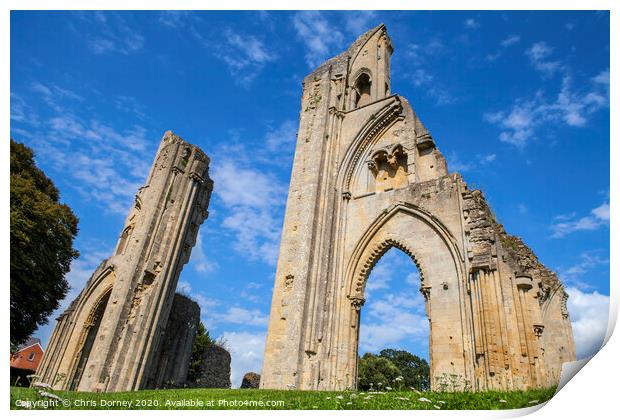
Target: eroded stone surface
x: 215, y: 371
x: 112, y: 335
x: 367, y: 176
x: 250, y: 380
x: 177, y: 342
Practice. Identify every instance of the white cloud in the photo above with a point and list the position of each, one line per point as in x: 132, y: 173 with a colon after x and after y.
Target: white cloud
x: 573, y: 108
x: 380, y: 277
x: 421, y: 77
x: 589, y: 314
x: 413, y: 279
x: 393, y: 263
x: 358, y: 22
x: 602, y: 77
x: 184, y: 287
x: 103, y: 164
x: 199, y: 260
x: 246, y: 350
x: 457, y: 165
x: 471, y: 23
x: 602, y: 212
x: 245, y: 55
x: 586, y: 261
x: 493, y: 57
x: 207, y: 304
x: 517, y: 124
x: 564, y: 225
x: 215, y: 312
x: 245, y: 187
x: 392, y: 320
x: 253, y: 200
x: 108, y: 33
x: 512, y: 39
x: 538, y: 54
x: 422, y: 54
x: 421, y: 58
x: 318, y: 35
x: 282, y: 137
x: 238, y: 315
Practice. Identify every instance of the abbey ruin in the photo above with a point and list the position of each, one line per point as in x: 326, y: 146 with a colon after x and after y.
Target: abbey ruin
x: 127, y: 329
x: 367, y: 176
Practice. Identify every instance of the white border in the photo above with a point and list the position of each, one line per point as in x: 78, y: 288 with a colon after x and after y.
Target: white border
x: 591, y: 395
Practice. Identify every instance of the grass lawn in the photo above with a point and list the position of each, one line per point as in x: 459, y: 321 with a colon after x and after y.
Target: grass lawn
x: 285, y: 400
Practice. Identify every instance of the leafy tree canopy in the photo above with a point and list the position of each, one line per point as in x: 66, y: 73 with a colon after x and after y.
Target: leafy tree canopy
x: 414, y: 370
x: 393, y: 368
x: 42, y: 233
x: 376, y: 372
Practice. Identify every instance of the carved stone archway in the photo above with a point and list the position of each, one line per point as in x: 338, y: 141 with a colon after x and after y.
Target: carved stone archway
x: 402, y: 226
x: 370, y: 177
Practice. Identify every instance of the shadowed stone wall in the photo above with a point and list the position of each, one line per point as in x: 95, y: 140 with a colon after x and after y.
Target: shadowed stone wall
x: 215, y: 371
x: 176, y: 344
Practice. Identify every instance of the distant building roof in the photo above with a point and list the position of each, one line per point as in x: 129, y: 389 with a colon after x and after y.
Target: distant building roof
x: 29, y: 342
x: 28, y: 356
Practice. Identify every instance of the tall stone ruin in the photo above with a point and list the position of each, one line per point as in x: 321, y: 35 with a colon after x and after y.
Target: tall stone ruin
x: 119, y: 333
x: 368, y: 176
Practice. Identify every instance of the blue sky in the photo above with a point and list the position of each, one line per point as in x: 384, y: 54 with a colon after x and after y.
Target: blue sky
x: 518, y: 102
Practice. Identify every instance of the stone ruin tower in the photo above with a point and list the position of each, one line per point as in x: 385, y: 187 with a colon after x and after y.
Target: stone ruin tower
x: 367, y: 176
x: 127, y: 330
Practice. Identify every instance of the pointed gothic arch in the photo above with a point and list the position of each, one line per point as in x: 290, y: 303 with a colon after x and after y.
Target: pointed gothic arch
x: 88, y: 335
x: 338, y: 224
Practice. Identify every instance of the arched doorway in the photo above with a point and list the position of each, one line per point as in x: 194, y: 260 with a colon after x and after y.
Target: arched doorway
x: 87, y: 339
x: 393, y: 319
x: 431, y: 248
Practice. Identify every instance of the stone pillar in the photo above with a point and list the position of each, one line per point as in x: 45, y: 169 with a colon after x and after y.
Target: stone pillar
x: 140, y: 278
x: 530, y: 324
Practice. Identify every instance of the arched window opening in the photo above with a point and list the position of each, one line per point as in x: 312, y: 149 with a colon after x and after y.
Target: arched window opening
x: 394, y: 329
x: 122, y: 245
x: 362, y: 87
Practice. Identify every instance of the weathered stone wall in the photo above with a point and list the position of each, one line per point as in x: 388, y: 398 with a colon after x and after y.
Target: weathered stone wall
x: 215, y: 372
x: 367, y: 176
x: 108, y: 339
x: 250, y: 380
x: 177, y: 342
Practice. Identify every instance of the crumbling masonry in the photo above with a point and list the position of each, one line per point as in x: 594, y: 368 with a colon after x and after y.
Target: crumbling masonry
x: 126, y: 330
x: 367, y: 176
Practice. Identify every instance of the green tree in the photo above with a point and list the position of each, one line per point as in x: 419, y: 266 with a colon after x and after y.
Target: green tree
x: 376, y: 372
x: 415, y: 370
x: 42, y: 233
x: 201, y: 342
